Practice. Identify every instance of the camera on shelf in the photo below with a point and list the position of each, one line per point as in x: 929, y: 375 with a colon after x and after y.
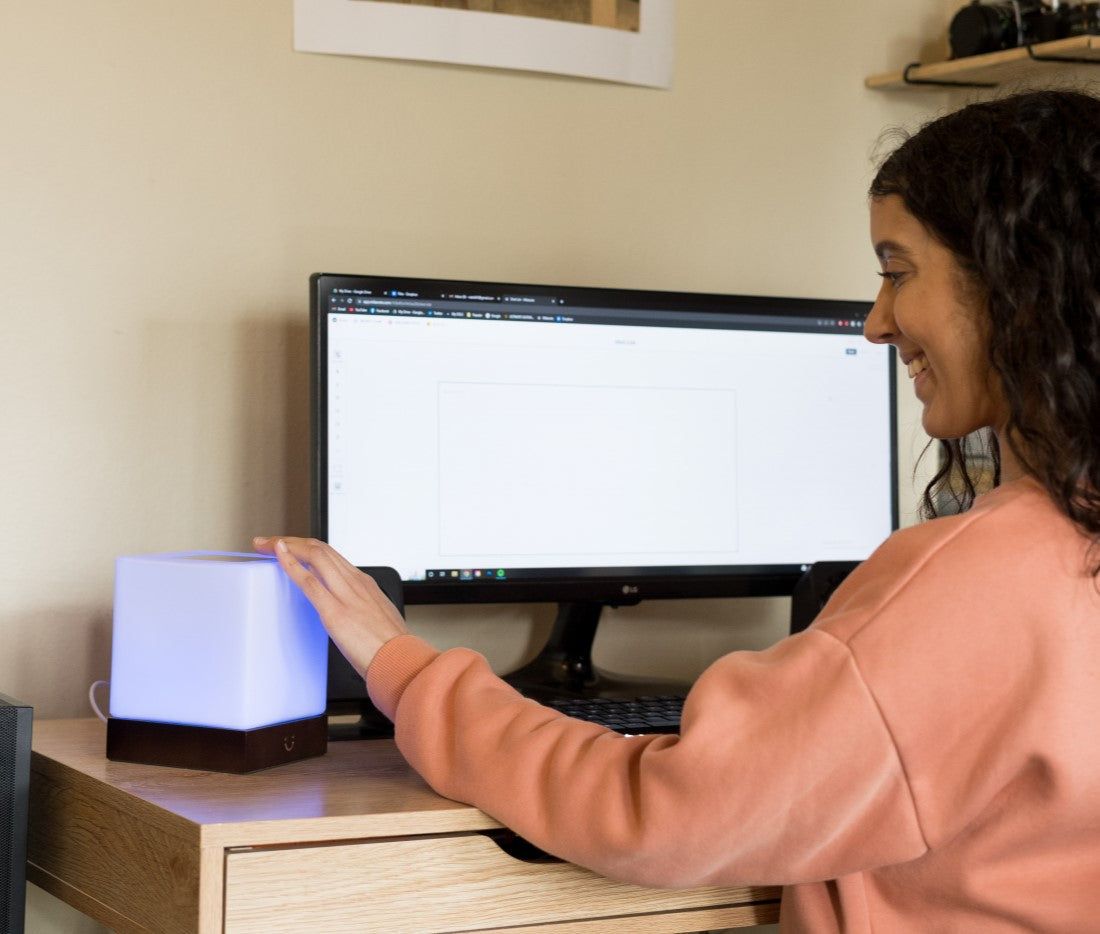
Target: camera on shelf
x: 989, y: 27
x: 1076, y: 19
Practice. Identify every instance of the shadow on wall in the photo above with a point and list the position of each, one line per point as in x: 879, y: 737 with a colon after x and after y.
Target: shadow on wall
x: 220, y: 430
x: 272, y: 445
x: 59, y: 653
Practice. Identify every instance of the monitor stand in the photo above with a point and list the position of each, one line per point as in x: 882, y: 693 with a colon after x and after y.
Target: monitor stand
x: 563, y: 667
x: 359, y: 720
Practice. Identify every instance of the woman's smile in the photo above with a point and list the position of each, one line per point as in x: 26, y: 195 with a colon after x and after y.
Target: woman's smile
x: 929, y: 311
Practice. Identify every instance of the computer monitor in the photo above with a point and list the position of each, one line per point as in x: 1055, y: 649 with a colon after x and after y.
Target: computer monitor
x: 594, y: 447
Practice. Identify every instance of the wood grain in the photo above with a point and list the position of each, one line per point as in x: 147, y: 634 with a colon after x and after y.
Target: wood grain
x: 350, y: 841
x: 1007, y: 66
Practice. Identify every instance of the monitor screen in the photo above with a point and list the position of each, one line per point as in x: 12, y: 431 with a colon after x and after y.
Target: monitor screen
x: 507, y: 442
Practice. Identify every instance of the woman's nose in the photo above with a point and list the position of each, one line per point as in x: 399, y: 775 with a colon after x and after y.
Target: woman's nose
x: 880, y: 328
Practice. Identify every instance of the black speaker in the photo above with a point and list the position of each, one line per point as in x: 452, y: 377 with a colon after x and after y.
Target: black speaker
x: 347, y: 693
x: 814, y: 588
x: 15, y: 779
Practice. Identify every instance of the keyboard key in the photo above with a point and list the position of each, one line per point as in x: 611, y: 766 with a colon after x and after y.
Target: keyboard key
x: 626, y: 715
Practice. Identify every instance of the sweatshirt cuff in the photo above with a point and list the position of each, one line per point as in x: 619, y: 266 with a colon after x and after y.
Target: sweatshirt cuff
x: 393, y: 669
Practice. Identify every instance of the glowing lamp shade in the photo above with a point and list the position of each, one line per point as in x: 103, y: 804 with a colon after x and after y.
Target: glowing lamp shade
x: 214, y: 639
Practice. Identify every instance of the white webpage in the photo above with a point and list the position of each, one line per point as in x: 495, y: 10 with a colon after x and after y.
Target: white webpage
x: 459, y: 443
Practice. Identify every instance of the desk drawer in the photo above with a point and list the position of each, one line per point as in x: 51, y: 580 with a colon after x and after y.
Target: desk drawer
x: 462, y: 882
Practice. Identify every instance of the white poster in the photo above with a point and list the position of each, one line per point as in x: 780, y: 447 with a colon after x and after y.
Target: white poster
x: 629, y: 41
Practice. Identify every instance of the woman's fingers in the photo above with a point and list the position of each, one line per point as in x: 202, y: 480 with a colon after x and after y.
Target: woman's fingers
x: 314, y: 587
x: 352, y: 606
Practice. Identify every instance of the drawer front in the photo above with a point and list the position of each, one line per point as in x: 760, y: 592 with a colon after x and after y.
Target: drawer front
x: 431, y: 884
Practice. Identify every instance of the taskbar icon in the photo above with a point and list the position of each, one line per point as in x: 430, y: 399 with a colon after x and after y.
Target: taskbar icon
x: 466, y: 574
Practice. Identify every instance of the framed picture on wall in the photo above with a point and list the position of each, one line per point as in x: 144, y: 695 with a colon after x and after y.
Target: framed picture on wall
x: 628, y: 41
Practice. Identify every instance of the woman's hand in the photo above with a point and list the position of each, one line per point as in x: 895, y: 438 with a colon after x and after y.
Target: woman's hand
x: 356, y: 613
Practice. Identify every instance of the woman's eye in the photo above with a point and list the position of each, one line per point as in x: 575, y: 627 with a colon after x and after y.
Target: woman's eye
x: 894, y: 277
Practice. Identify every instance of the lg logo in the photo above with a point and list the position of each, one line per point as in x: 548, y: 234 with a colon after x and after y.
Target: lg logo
x: 629, y: 590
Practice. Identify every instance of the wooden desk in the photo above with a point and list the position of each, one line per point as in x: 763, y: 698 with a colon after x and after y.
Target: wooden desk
x: 351, y: 841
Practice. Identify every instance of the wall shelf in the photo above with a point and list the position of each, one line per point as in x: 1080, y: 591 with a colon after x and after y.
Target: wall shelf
x: 993, y: 68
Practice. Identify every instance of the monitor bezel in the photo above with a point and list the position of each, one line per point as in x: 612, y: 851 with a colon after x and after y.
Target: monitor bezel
x: 606, y: 586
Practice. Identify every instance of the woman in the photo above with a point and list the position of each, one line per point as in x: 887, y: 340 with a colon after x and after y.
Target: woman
x: 924, y: 757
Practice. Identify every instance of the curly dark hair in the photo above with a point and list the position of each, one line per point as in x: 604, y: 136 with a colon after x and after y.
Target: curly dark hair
x: 1012, y: 188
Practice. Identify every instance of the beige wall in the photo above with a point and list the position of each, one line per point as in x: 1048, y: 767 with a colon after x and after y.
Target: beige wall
x: 172, y: 172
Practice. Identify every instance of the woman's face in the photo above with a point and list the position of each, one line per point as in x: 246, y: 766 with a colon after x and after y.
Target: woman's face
x: 925, y: 309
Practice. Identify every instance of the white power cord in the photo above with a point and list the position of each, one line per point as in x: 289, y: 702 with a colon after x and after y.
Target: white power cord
x: 92, y: 700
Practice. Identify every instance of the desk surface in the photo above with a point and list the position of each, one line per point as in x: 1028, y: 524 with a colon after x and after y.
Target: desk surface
x: 132, y: 845
x: 366, y: 783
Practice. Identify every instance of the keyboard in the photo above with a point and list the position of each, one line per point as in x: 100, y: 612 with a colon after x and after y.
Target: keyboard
x: 631, y: 716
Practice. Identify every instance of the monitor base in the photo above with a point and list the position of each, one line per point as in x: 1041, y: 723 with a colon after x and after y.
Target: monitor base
x: 368, y: 722
x: 563, y: 667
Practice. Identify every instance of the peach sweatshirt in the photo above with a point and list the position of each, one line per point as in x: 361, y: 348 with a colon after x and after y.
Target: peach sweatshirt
x: 924, y: 758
